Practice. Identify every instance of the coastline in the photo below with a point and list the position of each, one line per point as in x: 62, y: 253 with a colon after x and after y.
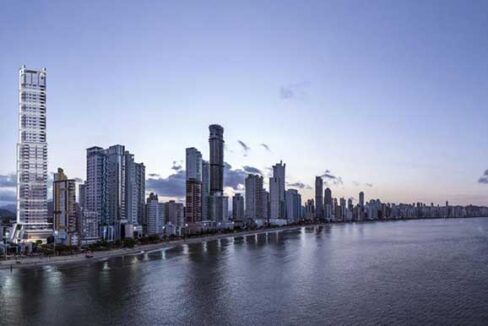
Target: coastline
x: 32, y: 262
x: 103, y: 255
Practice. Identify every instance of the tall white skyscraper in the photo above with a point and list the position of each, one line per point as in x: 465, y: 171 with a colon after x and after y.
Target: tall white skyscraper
x: 32, y: 158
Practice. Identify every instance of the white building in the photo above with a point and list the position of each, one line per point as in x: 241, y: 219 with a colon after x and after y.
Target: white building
x: 32, y: 158
x: 153, y: 216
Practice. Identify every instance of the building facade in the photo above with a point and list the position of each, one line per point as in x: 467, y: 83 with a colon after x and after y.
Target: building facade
x: 66, y: 223
x: 32, y: 215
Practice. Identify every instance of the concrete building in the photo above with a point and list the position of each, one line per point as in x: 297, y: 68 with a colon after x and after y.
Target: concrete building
x: 205, y: 189
x: 293, y: 205
x: 238, y: 208
x: 277, y: 192
x: 193, y: 207
x: 32, y: 222
x: 319, y: 199
x: 153, y: 215
x: 115, y: 190
x: 254, y: 197
x: 193, y: 164
x: 216, y: 142
x: 328, y: 204
x: 66, y: 225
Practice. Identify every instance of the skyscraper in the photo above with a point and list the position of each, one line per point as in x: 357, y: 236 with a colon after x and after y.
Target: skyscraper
x: 205, y: 189
x: 361, y: 199
x: 216, y: 200
x: 193, y: 164
x: 277, y: 191
x: 319, y: 199
x: 194, y: 192
x: 238, y: 207
x: 254, y: 197
x: 32, y: 213
x: 293, y: 205
x: 95, y: 190
x: 328, y: 204
x: 115, y: 189
x: 216, y: 141
x: 193, y: 207
x: 154, y: 225
x: 65, y: 216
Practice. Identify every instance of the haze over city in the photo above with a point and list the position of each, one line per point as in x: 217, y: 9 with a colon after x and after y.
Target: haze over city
x: 340, y: 89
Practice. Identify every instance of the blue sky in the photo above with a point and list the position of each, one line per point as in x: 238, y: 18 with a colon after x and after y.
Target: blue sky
x: 390, y: 96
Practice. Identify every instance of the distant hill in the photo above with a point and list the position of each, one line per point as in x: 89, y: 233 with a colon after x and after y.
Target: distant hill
x: 11, y: 208
x: 6, y: 215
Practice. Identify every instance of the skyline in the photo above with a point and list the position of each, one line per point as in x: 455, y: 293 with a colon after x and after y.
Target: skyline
x: 430, y: 153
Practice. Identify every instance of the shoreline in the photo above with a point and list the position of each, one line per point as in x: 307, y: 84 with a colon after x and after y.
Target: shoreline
x: 31, y: 262
x: 147, y: 248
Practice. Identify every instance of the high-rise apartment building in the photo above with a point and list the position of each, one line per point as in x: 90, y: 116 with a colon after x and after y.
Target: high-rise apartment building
x: 205, y: 189
x: 115, y: 189
x: 216, y: 142
x: 328, y: 204
x: 293, y: 205
x: 238, y: 207
x: 193, y: 207
x: 254, y: 197
x: 319, y: 199
x: 194, y: 191
x: 32, y: 215
x: 193, y: 164
x: 277, y: 192
x: 153, y: 225
x: 66, y: 224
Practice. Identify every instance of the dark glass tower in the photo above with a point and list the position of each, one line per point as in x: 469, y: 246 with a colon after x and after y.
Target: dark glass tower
x: 216, y: 142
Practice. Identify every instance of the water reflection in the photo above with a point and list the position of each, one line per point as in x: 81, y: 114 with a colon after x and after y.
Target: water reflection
x: 383, y: 273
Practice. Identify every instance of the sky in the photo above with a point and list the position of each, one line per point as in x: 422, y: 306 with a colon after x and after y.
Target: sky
x: 387, y: 97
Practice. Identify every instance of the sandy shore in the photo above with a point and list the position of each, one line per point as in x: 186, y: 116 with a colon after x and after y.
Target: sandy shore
x: 102, y: 255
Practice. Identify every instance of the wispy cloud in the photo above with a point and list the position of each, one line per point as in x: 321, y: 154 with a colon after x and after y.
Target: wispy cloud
x: 244, y: 146
x: 299, y: 185
x: 296, y: 90
x: 368, y: 185
x: 177, y: 166
x: 484, y: 178
x: 251, y: 169
x: 266, y: 147
x: 331, y: 179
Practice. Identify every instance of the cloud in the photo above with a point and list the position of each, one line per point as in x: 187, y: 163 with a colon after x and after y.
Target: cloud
x: 331, y: 179
x: 8, y: 180
x: 356, y: 183
x: 266, y: 147
x: 171, y: 186
x: 484, y: 178
x: 299, y: 185
x: 153, y: 175
x: 368, y: 185
x: 251, y: 169
x: 291, y: 91
x: 234, y: 178
x: 244, y: 146
x: 177, y: 166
